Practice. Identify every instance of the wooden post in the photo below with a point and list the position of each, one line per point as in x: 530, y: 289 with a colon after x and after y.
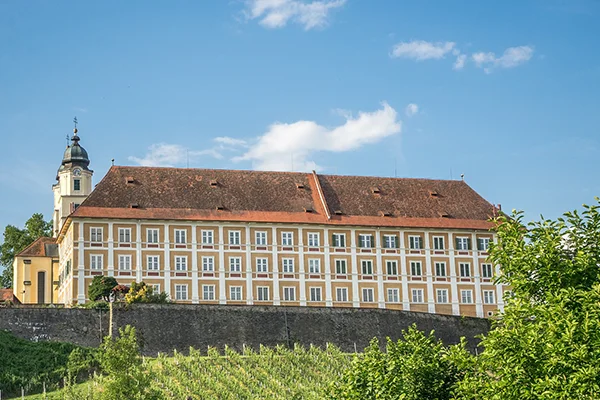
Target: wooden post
x: 110, y: 319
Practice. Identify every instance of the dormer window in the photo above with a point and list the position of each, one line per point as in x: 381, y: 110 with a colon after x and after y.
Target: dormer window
x: 76, y: 184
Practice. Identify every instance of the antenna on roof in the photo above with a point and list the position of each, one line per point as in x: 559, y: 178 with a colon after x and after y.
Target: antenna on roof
x: 187, y: 152
x: 462, y: 177
x: 68, y: 140
x: 112, y: 162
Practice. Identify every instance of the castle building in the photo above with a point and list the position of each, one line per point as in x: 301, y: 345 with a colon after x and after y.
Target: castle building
x: 207, y: 236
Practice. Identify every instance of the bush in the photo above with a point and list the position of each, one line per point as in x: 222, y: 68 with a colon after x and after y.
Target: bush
x: 142, y: 293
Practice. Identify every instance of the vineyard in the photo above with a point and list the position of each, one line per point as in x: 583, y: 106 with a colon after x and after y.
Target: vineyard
x: 270, y: 373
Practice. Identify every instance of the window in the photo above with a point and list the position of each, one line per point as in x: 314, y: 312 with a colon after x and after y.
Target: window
x: 465, y: 269
x: 390, y: 241
x: 487, y: 271
x: 261, y: 238
x: 340, y: 267
x: 442, y: 296
x: 415, y: 268
x: 393, y: 296
x: 181, y: 263
x: 315, y: 294
x: 262, y: 265
x: 367, y: 295
x: 339, y: 240
x: 440, y: 269
x: 208, y: 237
x: 208, y: 292
x: 234, y: 238
x: 208, y: 264
x: 287, y: 239
x: 262, y: 293
x: 391, y: 267
x: 488, y: 297
x: 180, y: 236
x: 365, y: 241
x: 462, y: 243
x: 313, y: 239
x: 152, y: 263
x: 235, y: 293
x: 314, y: 266
x: 96, y: 235
x: 181, y: 292
x: 483, y: 244
x: 155, y: 288
x: 289, y: 294
x: 287, y: 265
x: 124, y: 235
x: 76, y: 184
x: 125, y: 263
x: 438, y: 243
x: 341, y: 294
x: 96, y: 262
x: 235, y: 264
x: 367, y: 267
x: 414, y: 242
x: 417, y: 295
x: 152, y: 236
x: 466, y: 296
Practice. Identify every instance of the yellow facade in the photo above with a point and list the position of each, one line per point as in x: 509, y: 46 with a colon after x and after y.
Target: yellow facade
x: 35, y: 279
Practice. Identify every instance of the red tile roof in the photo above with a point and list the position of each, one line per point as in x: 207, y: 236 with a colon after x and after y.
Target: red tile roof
x: 39, y: 248
x: 8, y: 294
x: 232, y: 195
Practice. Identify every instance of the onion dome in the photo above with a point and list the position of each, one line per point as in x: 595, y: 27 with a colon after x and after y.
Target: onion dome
x: 75, y: 155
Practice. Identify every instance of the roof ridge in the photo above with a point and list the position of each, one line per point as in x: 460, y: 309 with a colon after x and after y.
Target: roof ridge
x: 39, y: 239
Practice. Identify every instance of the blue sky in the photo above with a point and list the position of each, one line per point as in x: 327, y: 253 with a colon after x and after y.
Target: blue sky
x: 505, y: 92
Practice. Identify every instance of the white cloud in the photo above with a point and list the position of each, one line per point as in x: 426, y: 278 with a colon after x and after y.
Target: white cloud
x: 286, y: 147
x: 461, y: 59
x: 229, y: 141
x: 411, y: 109
x: 277, y: 13
x: 512, y: 57
x: 420, y: 50
x: 171, y: 155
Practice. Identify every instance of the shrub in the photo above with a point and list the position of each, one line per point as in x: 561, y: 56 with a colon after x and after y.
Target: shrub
x: 101, y: 287
x: 142, y: 293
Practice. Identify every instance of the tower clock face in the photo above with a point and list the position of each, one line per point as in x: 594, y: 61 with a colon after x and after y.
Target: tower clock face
x: 76, y: 172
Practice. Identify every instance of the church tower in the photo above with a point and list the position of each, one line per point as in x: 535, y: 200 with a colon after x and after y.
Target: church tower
x: 74, y: 181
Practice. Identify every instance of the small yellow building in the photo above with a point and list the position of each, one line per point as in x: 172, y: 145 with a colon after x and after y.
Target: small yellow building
x: 35, y: 272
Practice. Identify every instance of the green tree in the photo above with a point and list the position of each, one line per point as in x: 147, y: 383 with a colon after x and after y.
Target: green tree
x: 16, y: 240
x: 416, y: 367
x: 101, y: 287
x: 546, y: 345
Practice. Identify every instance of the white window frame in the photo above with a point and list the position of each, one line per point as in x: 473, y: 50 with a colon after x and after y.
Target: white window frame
x: 260, y: 238
x: 415, y: 242
x: 235, y: 238
x: 125, y: 234
x: 235, y: 293
x: 208, y: 236
x: 440, y: 266
x: 262, y: 265
x: 96, y: 262
x: 314, y: 265
x: 462, y: 243
x: 208, y: 292
x: 287, y: 265
x: 438, y: 243
x: 369, y: 267
x: 338, y: 240
x: 417, y: 296
x: 180, y: 263
x: 390, y: 241
x: 235, y: 264
x: 466, y: 296
x: 365, y: 240
x: 96, y: 234
x: 289, y: 293
x: 152, y: 263
x: 314, y: 239
x: 181, y: 292
x: 152, y: 235
x: 155, y: 288
x: 262, y: 293
x: 341, y: 266
x: 464, y: 269
x: 391, y: 267
x: 315, y: 293
x: 416, y: 268
x: 393, y: 295
x: 489, y: 297
x: 287, y: 239
x: 124, y: 262
x: 368, y: 295
x: 483, y: 244
x: 208, y: 264
x: 341, y: 294
x: 441, y: 296
x: 487, y: 271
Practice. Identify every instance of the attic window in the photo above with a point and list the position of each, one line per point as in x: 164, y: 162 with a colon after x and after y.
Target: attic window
x: 433, y: 193
x: 338, y: 212
x: 129, y: 179
x: 214, y: 183
x: 299, y: 185
x: 134, y: 205
x: 219, y: 208
x: 375, y: 190
x: 26, y: 261
x: 444, y: 214
x: 308, y: 210
x: 385, y: 213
